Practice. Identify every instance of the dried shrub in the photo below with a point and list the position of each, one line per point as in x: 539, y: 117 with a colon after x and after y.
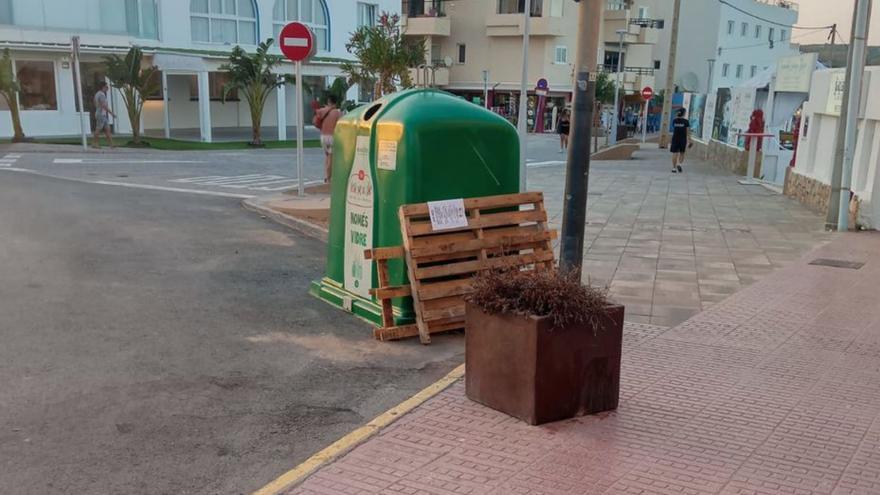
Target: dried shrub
x: 543, y: 293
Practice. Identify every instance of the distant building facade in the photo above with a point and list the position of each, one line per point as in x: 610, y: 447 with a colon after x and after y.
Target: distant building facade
x: 187, y: 39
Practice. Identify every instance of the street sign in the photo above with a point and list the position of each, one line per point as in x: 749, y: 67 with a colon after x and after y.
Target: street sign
x: 297, y: 41
x: 647, y: 93
x: 298, y: 44
x: 543, y: 84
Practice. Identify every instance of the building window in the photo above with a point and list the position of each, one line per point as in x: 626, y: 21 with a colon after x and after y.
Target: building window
x: 725, y: 70
x: 312, y: 13
x: 643, y: 12
x: 754, y: 71
x: 771, y: 32
x: 656, y: 65
x: 437, y: 55
x: 366, y: 14
x: 365, y: 92
x: 216, y: 82
x: 739, y: 71
x: 730, y: 27
x: 461, y: 53
x: 743, y: 29
x: 782, y: 33
x: 757, y: 30
x: 519, y: 7
x: 37, y: 81
x: 611, y: 59
x: 561, y: 55
x: 136, y: 18
x: 425, y: 8
x: 223, y: 21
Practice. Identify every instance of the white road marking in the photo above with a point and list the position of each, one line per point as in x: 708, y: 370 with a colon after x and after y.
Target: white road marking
x: 132, y: 185
x: 173, y: 189
x: 12, y: 155
x: 253, y: 182
x: 545, y: 164
x: 61, y: 161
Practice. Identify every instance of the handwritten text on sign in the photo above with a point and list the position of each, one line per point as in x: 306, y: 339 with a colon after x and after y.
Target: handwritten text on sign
x: 448, y: 214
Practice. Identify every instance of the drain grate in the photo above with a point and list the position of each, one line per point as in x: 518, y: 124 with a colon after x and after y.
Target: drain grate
x: 852, y: 265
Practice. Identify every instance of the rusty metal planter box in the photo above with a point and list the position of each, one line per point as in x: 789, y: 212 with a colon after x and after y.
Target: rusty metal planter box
x: 521, y: 367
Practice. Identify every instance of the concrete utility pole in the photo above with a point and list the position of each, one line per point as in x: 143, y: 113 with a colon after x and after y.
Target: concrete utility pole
x: 615, y: 115
x: 857, y: 62
x: 670, y: 77
x: 577, y: 174
x: 522, y: 120
x: 837, y: 168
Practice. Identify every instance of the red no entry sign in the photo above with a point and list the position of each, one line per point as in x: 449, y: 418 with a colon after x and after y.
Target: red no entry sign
x: 297, y: 41
x: 647, y: 93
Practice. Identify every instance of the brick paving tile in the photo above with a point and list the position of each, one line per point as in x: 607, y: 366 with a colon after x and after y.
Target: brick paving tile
x: 775, y: 390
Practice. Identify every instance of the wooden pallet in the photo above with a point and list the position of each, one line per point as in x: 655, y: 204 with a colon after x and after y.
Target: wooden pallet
x: 503, y: 231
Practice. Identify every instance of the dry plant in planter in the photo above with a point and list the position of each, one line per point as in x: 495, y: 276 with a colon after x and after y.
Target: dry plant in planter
x: 542, y: 346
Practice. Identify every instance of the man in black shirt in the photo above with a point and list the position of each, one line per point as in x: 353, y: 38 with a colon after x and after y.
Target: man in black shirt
x: 680, y: 140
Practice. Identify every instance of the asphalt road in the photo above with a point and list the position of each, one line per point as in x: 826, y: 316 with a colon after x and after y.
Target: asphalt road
x: 235, y: 174
x: 163, y: 343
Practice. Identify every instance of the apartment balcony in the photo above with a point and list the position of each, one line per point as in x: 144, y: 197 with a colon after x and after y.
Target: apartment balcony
x: 512, y: 25
x: 426, y: 25
x: 616, y: 20
x: 430, y: 76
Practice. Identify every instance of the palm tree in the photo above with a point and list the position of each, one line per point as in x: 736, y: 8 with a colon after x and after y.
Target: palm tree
x: 9, y: 88
x: 134, y: 81
x: 384, y: 56
x: 252, y: 76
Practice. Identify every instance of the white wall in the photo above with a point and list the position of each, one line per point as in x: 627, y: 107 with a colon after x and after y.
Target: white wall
x: 816, y: 148
x: 703, y: 29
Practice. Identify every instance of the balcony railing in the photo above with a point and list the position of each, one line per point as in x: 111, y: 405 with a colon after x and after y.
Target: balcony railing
x: 424, y: 8
x: 639, y: 71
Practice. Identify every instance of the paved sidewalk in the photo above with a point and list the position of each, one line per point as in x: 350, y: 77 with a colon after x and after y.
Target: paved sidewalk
x: 671, y: 245
x: 774, y: 390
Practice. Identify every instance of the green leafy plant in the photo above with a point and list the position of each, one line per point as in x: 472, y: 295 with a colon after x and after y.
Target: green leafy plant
x: 604, y: 88
x: 383, y: 56
x: 554, y: 294
x: 251, y: 75
x: 339, y: 89
x: 9, y: 88
x: 133, y: 80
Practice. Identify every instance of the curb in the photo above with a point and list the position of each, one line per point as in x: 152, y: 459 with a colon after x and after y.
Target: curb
x: 345, y: 444
x: 302, y: 226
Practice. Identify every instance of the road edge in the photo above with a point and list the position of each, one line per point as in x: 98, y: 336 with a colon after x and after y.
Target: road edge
x: 345, y: 444
x: 303, y: 227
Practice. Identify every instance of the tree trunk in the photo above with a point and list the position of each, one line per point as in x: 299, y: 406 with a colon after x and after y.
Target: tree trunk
x: 256, y: 102
x: 18, y: 132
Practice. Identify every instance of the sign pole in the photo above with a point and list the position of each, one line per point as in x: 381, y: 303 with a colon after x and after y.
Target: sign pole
x: 645, y: 123
x: 74, y: 42
x: 299, y: 129
x: 298, y: 44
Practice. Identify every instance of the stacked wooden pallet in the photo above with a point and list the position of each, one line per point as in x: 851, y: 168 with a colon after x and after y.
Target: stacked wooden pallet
x: 502, y: 231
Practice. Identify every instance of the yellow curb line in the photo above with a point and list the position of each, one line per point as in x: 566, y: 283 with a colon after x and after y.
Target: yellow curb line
x: 358, y: 436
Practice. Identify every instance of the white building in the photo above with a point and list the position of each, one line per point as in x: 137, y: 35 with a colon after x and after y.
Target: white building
x: 187, y: 39
x: 721, y: 44
x: 810, y: 179
x: 475, y: 50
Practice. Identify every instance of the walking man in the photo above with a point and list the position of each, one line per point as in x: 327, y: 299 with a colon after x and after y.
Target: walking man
x: 102, y: 115
x: 325, y: 119
x: 681, y: 140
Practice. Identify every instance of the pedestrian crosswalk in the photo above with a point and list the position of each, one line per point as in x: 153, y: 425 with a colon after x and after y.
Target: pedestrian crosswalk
x: 253, y: 182
x: 9, y: 160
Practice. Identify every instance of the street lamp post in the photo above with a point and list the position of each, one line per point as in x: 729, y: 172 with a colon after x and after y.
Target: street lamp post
x: 522, y: 120
x: 615, y: 115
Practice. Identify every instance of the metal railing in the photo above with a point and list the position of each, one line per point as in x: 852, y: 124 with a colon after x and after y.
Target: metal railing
x: 640, y: 71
